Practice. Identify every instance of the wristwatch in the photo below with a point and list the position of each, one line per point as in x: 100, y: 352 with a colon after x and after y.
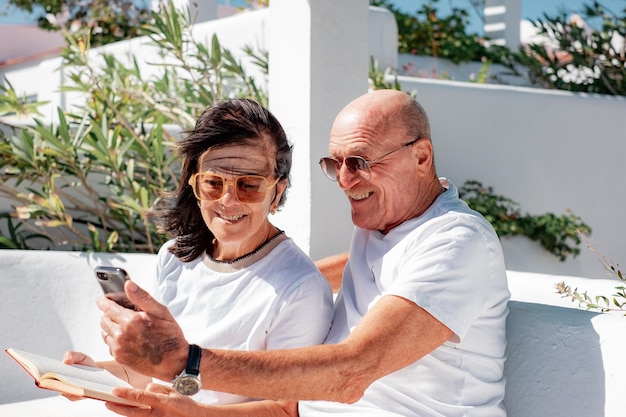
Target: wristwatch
x: 188, y: 382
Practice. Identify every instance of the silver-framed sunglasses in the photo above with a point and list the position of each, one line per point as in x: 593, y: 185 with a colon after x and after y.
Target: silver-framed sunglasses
x: 332, y: 166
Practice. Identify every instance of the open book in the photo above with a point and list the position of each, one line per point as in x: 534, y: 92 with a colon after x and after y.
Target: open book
x: 77, y: 380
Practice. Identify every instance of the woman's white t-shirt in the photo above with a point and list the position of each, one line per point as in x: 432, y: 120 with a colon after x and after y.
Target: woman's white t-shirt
x: 279, y: 301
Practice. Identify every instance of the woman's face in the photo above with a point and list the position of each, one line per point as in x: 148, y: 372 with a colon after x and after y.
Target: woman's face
x: 240, y: 227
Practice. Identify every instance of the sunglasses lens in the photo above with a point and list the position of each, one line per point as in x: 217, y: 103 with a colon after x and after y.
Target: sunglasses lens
x: 356, y: 163
x: 251, y: 189
x: 209, y: 187
x: 330, y: 167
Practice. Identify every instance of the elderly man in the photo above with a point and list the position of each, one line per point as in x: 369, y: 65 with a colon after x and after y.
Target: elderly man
x: 419, y: 323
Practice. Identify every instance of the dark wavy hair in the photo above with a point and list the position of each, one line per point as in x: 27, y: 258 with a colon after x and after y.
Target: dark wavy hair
x: 230, y: 122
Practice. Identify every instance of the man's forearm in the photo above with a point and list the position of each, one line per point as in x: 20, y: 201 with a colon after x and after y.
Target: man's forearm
x: 329, y: 372
x: 333, y: 372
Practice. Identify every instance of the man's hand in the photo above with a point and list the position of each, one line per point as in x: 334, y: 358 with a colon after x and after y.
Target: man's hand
x: 148, y: 341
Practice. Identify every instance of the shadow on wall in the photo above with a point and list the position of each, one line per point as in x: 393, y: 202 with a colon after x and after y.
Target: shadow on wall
x: 48, y: 306
x: 45, y: 333
x: 557, y: 365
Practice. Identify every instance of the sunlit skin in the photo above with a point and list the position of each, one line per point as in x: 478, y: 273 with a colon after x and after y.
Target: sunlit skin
x: 239, y: 228
x: 369, y: 131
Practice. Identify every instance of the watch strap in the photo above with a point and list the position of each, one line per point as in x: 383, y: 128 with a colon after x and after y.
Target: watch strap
x: 193, y: 360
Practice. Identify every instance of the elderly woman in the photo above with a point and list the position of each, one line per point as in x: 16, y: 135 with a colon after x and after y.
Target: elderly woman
x: 229, y: 277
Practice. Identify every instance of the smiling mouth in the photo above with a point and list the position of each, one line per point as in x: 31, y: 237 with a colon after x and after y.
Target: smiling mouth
x: 231, y: 218
x: 358, y: 196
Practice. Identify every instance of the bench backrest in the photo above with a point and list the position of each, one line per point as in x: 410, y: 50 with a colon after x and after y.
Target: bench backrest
x: 561, y: 361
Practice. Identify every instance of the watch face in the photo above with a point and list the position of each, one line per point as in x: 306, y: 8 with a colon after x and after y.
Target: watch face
x: 187, y: 384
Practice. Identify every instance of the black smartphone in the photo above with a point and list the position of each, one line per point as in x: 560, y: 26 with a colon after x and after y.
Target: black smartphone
x: 112, y: 279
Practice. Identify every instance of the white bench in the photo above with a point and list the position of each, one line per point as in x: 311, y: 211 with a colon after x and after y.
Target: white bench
x: 47, y: 306
x: 561, y: 361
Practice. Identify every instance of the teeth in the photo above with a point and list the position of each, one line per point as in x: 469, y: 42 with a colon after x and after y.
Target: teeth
x: 359, y: 196
x: 231, y: 218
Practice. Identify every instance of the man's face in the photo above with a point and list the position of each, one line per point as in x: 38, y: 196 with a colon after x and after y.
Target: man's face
x: 391, y: 195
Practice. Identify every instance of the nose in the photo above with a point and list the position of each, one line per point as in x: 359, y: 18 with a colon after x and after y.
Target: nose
x: 229, y: 197
x: 347, y: 178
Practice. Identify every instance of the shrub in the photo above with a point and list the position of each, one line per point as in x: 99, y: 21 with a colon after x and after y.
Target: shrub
x: 583, y: 59
x: 559, y: 235
x: 89, y: 180
x: 426, y: 33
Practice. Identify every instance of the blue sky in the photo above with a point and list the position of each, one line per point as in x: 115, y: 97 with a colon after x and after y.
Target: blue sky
x: 531, y: 9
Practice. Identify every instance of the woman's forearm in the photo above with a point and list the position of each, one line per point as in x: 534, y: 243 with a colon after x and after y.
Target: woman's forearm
x: 124, y: 373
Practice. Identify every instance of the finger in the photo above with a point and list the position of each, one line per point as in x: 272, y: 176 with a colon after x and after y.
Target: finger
x: 114, y: 311
x: 108, y: 328
x: 129, y: 411
x: 144, y: 301
x: 72, y: 397
x: 163, y: 402
x: 113, y: 316
x: 160, y: 389
x: 147, y: 399
x: 71, y: 357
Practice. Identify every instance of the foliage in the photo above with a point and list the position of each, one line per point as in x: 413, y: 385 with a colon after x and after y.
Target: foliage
x: 582, y: 59
x: 599, y: 302
x: 11, y: 103
x: 16, y: 240
x: 559, y: 235
x: 90, y: 180
x: 426, y: 33
x: 378, y: 78
x: 108, y: 20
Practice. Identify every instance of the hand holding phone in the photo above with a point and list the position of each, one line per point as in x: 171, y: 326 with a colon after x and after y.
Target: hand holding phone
x: 112, y: 279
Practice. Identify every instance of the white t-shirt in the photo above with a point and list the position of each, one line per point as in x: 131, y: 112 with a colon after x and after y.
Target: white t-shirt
x: 279, y: 301
x: 449, y: 262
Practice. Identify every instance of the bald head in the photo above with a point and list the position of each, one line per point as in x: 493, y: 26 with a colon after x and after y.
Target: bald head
x: 387, y: 111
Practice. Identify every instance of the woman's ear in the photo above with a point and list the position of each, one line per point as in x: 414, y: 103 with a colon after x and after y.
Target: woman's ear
x: 281, y: 186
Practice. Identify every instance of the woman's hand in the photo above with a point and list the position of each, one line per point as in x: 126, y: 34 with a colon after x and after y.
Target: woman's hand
x: 78, y: 358
x: 167, y: 402
x: 163, y: 402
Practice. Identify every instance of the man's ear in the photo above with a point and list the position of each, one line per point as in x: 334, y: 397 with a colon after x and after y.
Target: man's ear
x: 424, y: 154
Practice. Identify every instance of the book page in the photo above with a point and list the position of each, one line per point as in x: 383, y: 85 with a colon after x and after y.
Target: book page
x: 76, y: 374
x: 74, y: 379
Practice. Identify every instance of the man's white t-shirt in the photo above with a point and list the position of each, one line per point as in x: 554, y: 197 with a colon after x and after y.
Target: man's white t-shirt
x: 280, y: 301
x: 449, y: 262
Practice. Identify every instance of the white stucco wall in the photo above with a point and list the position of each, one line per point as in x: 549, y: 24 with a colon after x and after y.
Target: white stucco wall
x: 551, y: 151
